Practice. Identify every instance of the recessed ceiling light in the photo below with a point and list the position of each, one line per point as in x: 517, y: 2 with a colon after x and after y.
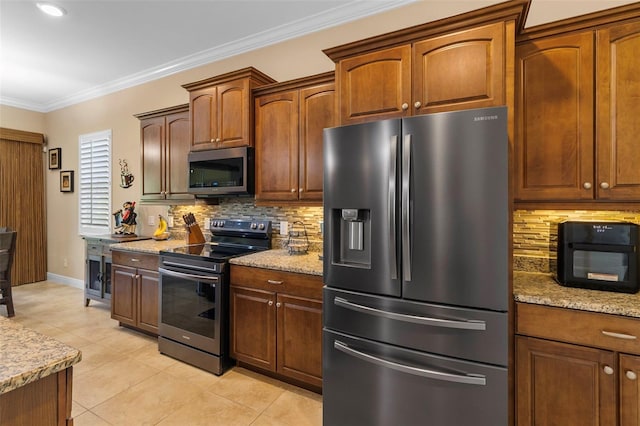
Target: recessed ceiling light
x: 51, y: 9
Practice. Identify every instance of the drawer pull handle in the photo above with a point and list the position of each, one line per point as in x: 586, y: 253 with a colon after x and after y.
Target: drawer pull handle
x: 133, y: 259
x: 274, y: 282
x: 608, y: 370
x: 631, y: 375
x: 619, y: 335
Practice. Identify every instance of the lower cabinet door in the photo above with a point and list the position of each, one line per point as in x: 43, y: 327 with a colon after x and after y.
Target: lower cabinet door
x: 253, y: 327
x: 148, y: 300
x: 299, y: 338
x: 123, y: 287
x: 629, y: 390
x: 563, y: 384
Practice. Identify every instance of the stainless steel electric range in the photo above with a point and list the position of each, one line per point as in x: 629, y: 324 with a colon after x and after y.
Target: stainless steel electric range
x: 194, y: 292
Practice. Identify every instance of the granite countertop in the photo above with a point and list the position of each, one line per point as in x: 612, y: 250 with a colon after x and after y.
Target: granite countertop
x: 542, y: 289
x: 109, y: 238
x: 148, y: 246
x: 27, y: 356
x: 281, y: 260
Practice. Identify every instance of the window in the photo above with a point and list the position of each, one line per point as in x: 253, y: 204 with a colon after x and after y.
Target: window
x: 95, y: 183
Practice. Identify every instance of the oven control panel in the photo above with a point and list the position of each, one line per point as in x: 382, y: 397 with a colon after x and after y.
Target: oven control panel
x: 240, y: 226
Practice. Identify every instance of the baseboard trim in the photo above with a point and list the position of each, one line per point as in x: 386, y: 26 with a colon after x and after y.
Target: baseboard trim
x: 61, y: 279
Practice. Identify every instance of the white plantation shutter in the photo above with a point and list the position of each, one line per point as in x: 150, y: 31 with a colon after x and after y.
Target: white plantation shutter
x: 95, y: 183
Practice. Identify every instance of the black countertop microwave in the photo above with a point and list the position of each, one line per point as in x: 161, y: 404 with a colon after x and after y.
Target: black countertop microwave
x: 599, y: 255
x: 221, y: 172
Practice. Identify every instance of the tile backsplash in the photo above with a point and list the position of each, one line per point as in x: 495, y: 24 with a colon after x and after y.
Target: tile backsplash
x: 245, y: 208
x: 535, y: 234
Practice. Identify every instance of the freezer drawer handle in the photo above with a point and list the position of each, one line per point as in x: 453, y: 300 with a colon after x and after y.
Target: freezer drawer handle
x: 437, y: 322
x: 470, y: 379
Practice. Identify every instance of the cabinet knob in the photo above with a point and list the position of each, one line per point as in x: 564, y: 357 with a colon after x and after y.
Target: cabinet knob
x: 418, y: 104
x: 300, y: 190
x: 631, y: 375
x: 604, y: 185
x: 405, y: 106
x: 293, y: 190
x: 270, y: 302
x: 212, y: 140
x: 586, y: 185
x: 607, y: 370
x: 278, y: 304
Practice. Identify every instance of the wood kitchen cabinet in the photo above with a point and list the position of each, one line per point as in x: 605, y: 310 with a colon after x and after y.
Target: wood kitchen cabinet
x: 290, y: 118
x: 164, y: 141
x: 576, y: 367
x: 276, y: 323
x: 576, y: 115
x: 134, y: 300
x: 445, y: 71
x: 221, y: 109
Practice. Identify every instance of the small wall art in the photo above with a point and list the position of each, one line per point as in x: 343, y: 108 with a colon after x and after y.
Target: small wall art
x: 55, y: 158
x: 66, y: 181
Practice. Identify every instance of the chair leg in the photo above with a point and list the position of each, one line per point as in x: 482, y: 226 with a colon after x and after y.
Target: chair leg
x: 7, y: 299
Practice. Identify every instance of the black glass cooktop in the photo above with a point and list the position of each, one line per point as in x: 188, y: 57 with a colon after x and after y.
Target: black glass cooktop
x: 208, y: 251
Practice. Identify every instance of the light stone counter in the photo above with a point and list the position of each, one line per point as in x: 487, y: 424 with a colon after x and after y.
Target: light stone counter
x: 542, y: 289
x: 148, y: 246
x: 27, y: 356
x: 281, y: 260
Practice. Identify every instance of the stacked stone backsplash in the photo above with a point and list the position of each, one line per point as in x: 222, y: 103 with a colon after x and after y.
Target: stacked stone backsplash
x: 245, y: 208
x: 535, y: 234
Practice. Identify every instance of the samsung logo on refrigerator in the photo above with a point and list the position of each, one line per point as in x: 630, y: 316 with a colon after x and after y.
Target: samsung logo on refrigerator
x: 485, y: 118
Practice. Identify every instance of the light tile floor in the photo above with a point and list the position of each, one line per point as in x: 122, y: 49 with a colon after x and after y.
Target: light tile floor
x: 123, y: 379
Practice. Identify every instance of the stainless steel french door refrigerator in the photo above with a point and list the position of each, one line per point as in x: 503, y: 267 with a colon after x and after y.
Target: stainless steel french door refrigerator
x: 416, y: 271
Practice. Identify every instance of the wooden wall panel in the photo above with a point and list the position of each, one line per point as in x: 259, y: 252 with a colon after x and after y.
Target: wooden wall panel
x: 22, y: 202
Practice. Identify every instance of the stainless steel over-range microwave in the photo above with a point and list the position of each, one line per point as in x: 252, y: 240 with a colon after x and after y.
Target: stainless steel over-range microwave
x: 222, y: 172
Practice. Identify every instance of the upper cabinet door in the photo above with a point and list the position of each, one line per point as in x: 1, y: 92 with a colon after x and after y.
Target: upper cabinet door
x: 617, y: 112
x: 459, y: 71
x: 554, y: 146
x: 177, y: 150
x: 277, y: 146
x: 375, y: 86
x: 204, y: 122
x: 152, y: 145
x: 233, y: 114
x: 316, y: 114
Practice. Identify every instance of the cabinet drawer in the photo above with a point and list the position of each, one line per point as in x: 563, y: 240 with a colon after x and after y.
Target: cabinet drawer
x: 303, y: 285
x: 580, y: 327
x: 136, y: 259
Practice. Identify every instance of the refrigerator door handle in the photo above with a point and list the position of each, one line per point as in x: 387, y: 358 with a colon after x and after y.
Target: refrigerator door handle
x: 435, y: 322
x: 392, y: 207
x: 470, y: 379
x: 406, y: 224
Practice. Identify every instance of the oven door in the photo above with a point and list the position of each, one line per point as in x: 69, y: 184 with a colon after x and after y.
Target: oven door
x: 192, y: 308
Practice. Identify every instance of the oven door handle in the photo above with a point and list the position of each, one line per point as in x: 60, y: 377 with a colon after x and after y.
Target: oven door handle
x: 170, y: 273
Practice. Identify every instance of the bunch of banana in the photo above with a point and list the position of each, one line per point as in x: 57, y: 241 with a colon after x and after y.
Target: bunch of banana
x: 161, y: 232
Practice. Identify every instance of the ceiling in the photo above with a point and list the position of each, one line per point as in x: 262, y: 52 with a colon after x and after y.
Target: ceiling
x: 101, y: 46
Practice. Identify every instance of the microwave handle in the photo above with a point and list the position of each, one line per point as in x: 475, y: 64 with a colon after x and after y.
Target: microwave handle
x: 610, y: 248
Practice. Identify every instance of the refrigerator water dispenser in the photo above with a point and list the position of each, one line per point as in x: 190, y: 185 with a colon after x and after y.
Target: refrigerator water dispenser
x: 354, y: 239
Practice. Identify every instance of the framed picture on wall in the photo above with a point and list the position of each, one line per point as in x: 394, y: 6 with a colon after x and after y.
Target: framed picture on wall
x: 55, y: 160
x: 66, y: 181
